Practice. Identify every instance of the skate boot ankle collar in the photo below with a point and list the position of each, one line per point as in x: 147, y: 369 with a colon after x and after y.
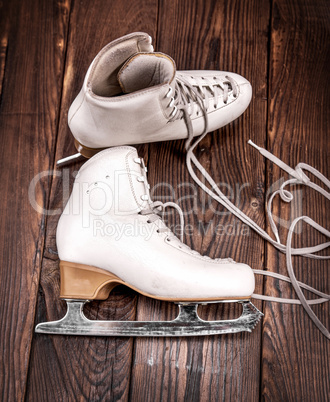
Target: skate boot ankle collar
x: 102, y: 76
x: 145, y: 70
x: 113, y: 182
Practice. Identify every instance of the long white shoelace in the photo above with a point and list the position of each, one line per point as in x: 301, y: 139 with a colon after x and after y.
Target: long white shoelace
x: 299, y: 178
x: 158, y: 207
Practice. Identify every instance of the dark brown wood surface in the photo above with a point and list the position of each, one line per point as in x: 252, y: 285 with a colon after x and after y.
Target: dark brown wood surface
x: 296, y: 361
x: 45, y: 50
x: 33, y: 43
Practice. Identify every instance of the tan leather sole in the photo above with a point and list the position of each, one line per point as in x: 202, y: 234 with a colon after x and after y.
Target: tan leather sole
x: 85, y: 151
x: 79, y: 281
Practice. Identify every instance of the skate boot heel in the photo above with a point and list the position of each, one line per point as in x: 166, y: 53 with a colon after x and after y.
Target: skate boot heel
x: 85, y: 151
x: 84, y: 282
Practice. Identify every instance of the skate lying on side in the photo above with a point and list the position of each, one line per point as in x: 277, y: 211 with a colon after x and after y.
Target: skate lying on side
x: 111, y: 233
x: 133, y: 95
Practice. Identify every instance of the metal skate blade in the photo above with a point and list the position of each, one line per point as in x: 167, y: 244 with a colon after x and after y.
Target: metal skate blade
x: 69, y: 159
x: 188, y: 323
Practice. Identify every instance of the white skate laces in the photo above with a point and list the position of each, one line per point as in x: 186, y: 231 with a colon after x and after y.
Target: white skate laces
x: 299, y: 177
x: 156, y: 210
x: 204, y: 93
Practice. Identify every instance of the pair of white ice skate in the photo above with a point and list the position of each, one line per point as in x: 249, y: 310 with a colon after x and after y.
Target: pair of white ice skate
x: 132, y: 95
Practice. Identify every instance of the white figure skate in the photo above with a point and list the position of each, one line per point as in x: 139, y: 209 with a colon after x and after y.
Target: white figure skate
x: 132, y: 95
x: 112, y: 233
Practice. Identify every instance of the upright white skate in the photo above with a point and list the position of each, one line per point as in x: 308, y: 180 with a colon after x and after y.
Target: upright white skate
x: 112, y: 233
x: 132, y: 95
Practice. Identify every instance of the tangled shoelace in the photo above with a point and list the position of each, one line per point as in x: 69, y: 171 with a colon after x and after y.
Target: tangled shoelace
x: 186, y: 92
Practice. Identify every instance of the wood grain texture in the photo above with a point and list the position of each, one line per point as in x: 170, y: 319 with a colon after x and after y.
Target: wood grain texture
x: 45, y: 50
x: 210, y: 35
x: 28, y: 119
x: 295, y: 354
x: 4, y: 33
x: 92, y: 368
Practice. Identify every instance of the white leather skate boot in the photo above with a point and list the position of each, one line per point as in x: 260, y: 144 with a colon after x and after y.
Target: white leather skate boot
x: 132, y: 95
x: 111, y: 233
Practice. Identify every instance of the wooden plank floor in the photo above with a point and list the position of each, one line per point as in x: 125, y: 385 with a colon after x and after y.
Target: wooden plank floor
x: 281, y: 46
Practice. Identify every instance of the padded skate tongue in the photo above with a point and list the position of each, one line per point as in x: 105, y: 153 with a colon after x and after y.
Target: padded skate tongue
x: 144, y: 70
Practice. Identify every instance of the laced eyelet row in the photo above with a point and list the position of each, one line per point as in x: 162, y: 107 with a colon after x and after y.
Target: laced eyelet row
x: 139, y: 161
x: 192, y: 94
x: 171, y: 104
x: 141, y: 179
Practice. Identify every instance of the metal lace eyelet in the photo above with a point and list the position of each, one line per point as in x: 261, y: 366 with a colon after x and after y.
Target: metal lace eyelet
x: 169, y: 93
x: 175, y: 109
